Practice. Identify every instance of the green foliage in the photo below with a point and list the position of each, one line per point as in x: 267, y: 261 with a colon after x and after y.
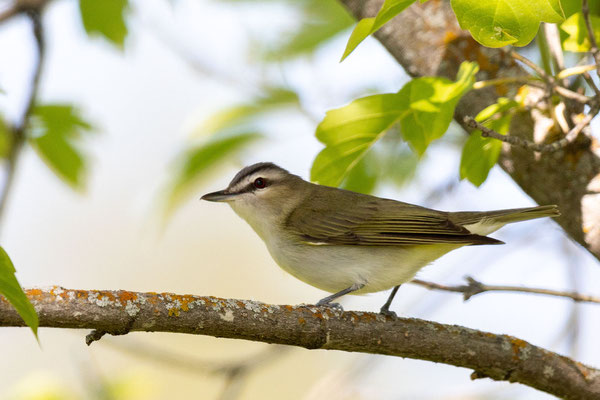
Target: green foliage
x: 4, y: 138
x: 10, y: 288
x: 577, y: 35
x: 430, y: 105
x: 229, y: 131
x: 363, y: 177
x: 368, y: 26
x: 348, y: 132
x: 323, y: 20
x: 55, y: 130
x: 272, y: 99
x: 424, y: 108
x: 497, y: 23
x: 389, y: 161
x: 198, y: 162
x: 105, y: 18
x: 480, y: 154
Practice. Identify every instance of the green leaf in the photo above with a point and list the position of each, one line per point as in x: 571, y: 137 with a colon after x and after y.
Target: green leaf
x: 348, y: 132
x: 5, y: 138
x: 424, y: 107
x: 577, y: 34
x: 10, y: 288
x: 274, y: 98
x: 497, y: 23
x: 56, y: 129
x: 368, y: 26
x: 323, y: 20
x: 481, y: 154
x: 431, y: 106
x: 198, y: 162
x: 105, y: 18
x: 363, y: 177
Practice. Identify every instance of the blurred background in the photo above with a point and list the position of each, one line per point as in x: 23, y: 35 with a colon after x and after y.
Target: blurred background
x: 188, y: 94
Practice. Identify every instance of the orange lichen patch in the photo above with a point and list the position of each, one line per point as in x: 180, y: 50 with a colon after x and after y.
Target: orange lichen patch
x: 583, y: 370
x: 124, y: 296
x: 153, y: 299
x: 449, y: 36
x: 289, y: 308
x: 240, y: 304
x: 185, y: 301
x: 318, y: 315
x: 517, y: 346
x: 34, y: 293
x: 301, y: 320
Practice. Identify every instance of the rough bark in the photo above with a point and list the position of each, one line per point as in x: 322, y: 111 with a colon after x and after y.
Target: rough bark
x: 427, y: 41
x: 499, y: 357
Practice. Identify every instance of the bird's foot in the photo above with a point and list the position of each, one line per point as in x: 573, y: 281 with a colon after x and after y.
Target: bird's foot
x: 335, y: 306
x: 387, y: 312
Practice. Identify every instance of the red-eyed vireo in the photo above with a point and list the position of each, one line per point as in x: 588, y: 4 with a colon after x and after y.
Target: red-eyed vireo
x: 346, y: 242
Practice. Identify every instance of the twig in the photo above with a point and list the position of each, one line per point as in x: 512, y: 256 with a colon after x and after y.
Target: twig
x: 529, y: 145
x: 553, y: 85
x: 592, y: 84
x: 532, y: 65
x: 21, y: 6
x: 18, y: 132
x: 474, y: 287
x: 527, y: 80
x: 585, y: 10
x: 554, y: 45
x: 187, y: 363
x: 499, y: 357
x: 9, y: 12
x: 577, y: 70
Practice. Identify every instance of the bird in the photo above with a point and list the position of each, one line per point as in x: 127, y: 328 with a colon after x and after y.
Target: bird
x: 344, y: 242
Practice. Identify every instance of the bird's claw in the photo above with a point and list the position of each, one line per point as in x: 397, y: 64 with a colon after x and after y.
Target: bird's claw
x: 388, y: 313
x: 336, y: 306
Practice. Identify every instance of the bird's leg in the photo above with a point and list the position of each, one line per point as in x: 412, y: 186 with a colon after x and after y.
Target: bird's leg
x: 326, y: 301
x: 385, y: 310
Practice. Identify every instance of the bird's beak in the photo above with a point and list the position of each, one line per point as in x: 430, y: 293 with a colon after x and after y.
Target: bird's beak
x: 221, y: 195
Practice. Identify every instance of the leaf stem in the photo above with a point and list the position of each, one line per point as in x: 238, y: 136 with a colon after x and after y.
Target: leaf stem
x: 542, y: 43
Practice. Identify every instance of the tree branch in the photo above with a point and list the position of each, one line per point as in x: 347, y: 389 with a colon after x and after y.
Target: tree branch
x: 474, y: 287
x: 499, y: 357
x: 427, y: 41
x: 585, y: 10
x: 18, y: 131
x: 527, y: 144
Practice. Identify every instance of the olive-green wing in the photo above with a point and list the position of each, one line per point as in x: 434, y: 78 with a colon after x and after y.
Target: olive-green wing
x: 370, y: 221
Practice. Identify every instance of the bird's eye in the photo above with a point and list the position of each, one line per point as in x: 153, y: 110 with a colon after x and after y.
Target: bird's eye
x: 260, y: 183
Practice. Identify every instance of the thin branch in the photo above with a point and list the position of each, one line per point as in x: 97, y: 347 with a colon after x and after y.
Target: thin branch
x: 592, y: 84
x: 474, y: 287
x: 499, y: 357
x: 187, y: 363
x: 576, y: 70
x: 9, y: 12
x: 526, y: 80
x: 234, y: 372
x: 551, y: 81
x: 21, y: 6
x: 19, y: 129
x: 585, y: 10
x: 554, y: 45
x: 529, y: 145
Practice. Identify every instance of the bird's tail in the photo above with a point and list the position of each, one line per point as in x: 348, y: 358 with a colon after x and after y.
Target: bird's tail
x: 486, y: 222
